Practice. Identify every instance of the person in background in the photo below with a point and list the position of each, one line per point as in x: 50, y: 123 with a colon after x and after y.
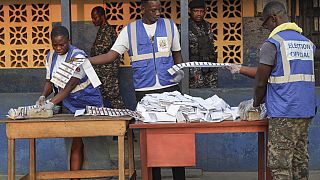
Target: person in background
x: 153, y: 46
x: 107, y: 73
x: 201, y: 47
x: 77, y: 94
x: 285, y: 79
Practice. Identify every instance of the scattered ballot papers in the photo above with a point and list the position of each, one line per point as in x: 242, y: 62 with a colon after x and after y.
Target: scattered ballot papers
x: 173, y: 106
x: 66, y: 70
x: 103, y: 111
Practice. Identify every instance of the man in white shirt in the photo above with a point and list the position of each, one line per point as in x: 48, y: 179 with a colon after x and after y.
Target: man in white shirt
x: 165, y: 46
x: 153, y: 46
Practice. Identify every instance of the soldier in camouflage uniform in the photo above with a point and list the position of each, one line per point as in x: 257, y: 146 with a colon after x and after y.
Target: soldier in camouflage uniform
x: 201, y: 47
x: 108, y: 73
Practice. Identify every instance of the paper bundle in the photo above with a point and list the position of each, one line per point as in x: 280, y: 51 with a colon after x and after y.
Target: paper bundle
x: 173, y: 106
x: 28, y: 112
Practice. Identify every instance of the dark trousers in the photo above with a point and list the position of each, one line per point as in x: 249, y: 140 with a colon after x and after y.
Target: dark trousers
x: 177, y: 172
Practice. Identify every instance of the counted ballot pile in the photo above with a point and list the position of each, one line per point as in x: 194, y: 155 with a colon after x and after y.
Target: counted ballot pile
x: 173, y: 106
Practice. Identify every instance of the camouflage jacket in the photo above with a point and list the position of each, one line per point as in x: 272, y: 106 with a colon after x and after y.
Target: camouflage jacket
x: 105, y: 38
x: 201, y: 42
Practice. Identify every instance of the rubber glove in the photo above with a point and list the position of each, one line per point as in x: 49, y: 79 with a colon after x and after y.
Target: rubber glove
x: 41, y: 101
x: 234, y: 68
x: 263, y: 113
x: 244, y: 108
x: 48, y: 106
x: 178, y: 76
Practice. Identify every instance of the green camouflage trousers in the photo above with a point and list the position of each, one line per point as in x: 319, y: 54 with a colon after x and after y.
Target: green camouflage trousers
x: 110, y: 90
x: 203, y: 77
x: 288, y: 148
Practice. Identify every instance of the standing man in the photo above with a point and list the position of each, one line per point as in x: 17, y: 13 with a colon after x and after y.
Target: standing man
x: 153, y: 46
x: 201, y: 47
x: 285, y: 79
x: 107, y: 73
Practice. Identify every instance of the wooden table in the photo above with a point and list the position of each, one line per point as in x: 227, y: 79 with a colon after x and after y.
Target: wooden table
x: 61, y: 126
x: 173, y: 144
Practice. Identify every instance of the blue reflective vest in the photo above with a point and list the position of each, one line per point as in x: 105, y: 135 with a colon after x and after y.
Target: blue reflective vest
x: 291, y: 87
x: 151, y: 56
x: 84, y: 94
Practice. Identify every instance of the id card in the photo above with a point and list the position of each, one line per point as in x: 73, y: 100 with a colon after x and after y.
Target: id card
x: 163, y: 44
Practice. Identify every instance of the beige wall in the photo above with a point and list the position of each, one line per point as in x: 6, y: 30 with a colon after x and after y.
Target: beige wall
x: 30, y: 42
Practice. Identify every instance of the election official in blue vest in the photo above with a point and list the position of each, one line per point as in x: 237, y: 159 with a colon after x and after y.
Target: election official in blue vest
x: 77, y: 93
x: 153, y: 46
x: 285, y: 81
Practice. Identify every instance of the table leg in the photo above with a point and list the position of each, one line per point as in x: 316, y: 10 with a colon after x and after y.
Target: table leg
x: 261, y: 157
x: 32, y: 159
x: 11, y: 159
x: 146, y: 173
x: 130, y: 153
x: 268, y: 171
x: 121, y: 167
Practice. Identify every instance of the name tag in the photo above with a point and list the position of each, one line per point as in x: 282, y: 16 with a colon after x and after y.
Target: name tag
x: 163, y: 44
x: 302, y: 50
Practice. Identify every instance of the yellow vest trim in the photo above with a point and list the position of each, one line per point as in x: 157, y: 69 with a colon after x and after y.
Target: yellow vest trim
x: 286, y: 26
x: 287, y: 77
x: 150, y: 56
x: 292, y: 78
x: 135, y: 56
x: 81, y: 86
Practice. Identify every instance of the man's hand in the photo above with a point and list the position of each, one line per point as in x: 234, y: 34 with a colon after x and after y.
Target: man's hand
x: 48, y: 106
x: 234, y: 68
x: 178, y: 76
x: 245, y: 107
x: 41, y: 101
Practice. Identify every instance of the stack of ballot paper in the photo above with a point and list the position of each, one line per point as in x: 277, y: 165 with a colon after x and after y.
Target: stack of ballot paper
x: 28, y: 112
x: 173, y: 106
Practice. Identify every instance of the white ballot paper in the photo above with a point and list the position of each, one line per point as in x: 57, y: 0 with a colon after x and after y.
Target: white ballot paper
x: 173, y: 109
x: 91, y: 73
x: 177, y: 67
x: 66, y: 70
x: 158, y: 117
x: 173, y: 106
x: 79, y: 112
